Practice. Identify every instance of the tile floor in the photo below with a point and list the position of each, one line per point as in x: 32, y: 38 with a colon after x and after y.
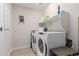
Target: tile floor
x: 25, y: 52
x: 22, y: 52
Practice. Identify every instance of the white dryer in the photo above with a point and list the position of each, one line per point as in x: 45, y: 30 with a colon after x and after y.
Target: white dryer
x: 48, y: 40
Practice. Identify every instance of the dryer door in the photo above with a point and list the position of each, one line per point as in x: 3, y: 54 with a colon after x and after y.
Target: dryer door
x: 41, y: 47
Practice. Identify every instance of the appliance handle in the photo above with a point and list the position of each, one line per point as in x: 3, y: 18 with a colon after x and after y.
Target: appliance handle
x: 6, y: 29
x: 0, y: 28
x: 41, y: 33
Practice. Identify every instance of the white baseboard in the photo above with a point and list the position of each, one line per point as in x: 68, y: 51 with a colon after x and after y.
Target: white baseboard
x: 12, y: 49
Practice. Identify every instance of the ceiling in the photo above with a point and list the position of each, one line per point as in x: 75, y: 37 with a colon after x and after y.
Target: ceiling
x: 37, y: 6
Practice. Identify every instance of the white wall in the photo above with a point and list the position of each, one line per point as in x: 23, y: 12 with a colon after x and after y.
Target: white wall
x: 21, y: 32
x: 51, y: 10
x: 5, y: 38
x: 2, y: 41
x: 8, y: 26
x: 73, y: 11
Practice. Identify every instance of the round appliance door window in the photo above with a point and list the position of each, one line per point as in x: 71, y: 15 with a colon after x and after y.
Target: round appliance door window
x: 41, y: 45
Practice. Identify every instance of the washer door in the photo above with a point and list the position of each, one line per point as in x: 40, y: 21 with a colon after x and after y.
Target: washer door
x: 42, y: 47
x: 33, y: 39
x: 34, y: 44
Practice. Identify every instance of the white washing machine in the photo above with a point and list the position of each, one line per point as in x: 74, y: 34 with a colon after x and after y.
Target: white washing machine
x: 48, y: 40
x: 33, y: 41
